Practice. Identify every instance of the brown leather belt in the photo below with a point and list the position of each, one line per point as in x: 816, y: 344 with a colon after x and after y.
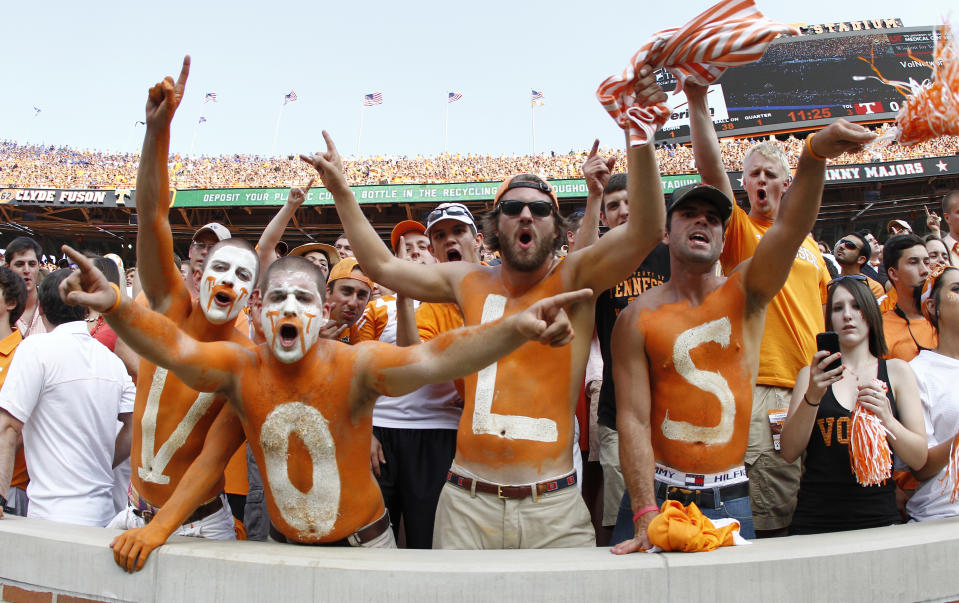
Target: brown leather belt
x: 357, y: 538
x: 202, y: 512
x: 512, y: 492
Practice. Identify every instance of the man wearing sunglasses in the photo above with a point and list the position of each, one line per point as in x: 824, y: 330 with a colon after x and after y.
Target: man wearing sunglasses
x: 852, y: 252
x: 512, y: 483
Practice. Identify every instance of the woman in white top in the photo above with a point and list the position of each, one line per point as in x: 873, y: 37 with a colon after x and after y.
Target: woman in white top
x: 936, y: 372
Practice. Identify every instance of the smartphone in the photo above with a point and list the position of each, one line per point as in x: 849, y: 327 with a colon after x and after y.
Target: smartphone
x: 829, y: 341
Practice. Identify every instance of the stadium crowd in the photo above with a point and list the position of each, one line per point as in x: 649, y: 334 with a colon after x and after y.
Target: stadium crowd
x: 520, y: 379
x: 30, y: 166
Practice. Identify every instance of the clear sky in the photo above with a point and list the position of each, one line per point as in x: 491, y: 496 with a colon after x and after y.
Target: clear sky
x: 88, y: 65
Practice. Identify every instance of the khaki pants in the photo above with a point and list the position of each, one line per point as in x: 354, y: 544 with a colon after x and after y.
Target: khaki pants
x: 485, y: 521
x: 613, y: 484
x: 773, y: 483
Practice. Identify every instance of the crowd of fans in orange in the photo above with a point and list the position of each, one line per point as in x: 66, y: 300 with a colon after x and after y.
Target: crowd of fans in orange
x: 29, y: 166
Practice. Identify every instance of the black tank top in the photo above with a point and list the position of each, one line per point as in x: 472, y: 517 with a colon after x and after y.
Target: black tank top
x: 830, y: 499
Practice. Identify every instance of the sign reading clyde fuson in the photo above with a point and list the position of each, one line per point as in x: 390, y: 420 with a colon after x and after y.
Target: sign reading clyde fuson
x: 391, y: 193
x: 58, y: 197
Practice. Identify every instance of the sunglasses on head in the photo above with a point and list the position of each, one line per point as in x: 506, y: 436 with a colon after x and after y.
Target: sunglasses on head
x: 848, y: 244
x: 852, y: 277
x: 539, y: 209
x: 448, y: 210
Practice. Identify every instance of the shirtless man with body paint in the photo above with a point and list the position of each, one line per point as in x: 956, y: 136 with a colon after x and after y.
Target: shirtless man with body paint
x: 170, y: 419
x: 686, y: 353
x: 319, y: 486
x: 509, y: 486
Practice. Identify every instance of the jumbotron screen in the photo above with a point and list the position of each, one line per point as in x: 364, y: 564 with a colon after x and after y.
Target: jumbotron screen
x: 808, y: 81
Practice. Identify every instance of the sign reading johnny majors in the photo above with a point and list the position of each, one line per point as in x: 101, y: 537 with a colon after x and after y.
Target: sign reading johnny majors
x: 51, y: 196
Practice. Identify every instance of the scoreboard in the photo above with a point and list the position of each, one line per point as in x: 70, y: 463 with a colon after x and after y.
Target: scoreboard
x: 808, y: 81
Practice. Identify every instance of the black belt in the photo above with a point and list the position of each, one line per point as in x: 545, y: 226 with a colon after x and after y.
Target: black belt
x: 513, y: 492
x: 703, y: 497
x: 357, y: 538
x: 202, y: 512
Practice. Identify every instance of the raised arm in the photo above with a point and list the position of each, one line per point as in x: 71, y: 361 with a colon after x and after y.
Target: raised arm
x: 596, y: 172
x: 633, y: 401
x: 436, y: 282
x: 709, y: 160
x: 159, y: 277
x: 131, y: 548
x: 797, y: 213
x: 621, y: 250
x: 394, y: 371
x: 203, y: 366
x: 266, y: 246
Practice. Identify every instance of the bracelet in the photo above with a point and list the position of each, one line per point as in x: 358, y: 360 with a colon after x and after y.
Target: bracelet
x: 644, y: 511
x: 809, y: 148
x: 119, y: 299
x: 806, y: 400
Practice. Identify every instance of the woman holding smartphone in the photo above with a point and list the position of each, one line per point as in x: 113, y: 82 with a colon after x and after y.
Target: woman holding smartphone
x: 819, y: 423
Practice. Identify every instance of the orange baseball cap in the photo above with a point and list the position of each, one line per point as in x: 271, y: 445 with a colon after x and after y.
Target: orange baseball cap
x: 345, y: 269
x: 538, y: 184
x: 404, y: 227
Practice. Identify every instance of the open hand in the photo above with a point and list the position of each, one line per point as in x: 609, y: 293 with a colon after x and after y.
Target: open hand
x: 840, y: 137
x: 639, y: 542
x: 131, y: 548
x: 165, y: 96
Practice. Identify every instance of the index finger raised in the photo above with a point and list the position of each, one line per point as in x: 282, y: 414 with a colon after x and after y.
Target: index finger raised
x: 595, y: 149
x: 78, y: 258
x: 184, y: 72
x: 329, y: 141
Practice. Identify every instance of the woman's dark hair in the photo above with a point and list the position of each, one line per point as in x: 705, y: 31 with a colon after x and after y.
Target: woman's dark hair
x: 935, y: 294
x: 866, y: 301
x: 14, y: 289
x: 54, y: 309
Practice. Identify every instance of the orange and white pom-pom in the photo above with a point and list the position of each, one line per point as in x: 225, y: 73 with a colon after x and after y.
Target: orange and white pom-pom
x: 869, y: 453
x: 931, y: 109
x: 950, y: 481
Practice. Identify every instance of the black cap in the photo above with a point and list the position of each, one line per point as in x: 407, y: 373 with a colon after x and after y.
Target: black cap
x: 708, y: 193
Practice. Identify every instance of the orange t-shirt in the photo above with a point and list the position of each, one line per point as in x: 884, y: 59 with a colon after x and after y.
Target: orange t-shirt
x: 899, y: 340
x: 700, y: 381
x: 518, y: 411
x: 8, y: 346
x: 794, y: 316
x: 435, y: 318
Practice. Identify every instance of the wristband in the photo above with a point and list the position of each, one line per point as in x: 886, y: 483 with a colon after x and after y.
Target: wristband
x: 809, y: 149
x: 119, y: 299
x: 644, y: 511
x: 806, y: 400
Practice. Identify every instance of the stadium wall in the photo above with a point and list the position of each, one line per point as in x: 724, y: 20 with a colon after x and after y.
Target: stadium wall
x: 49, y: 562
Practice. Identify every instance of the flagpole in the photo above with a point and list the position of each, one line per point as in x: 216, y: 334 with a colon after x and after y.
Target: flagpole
x: 532, y: 123
x: 446, y: 126
x: 276, y: 131
x: 359, y: 137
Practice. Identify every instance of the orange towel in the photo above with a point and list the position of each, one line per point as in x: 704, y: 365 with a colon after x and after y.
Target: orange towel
x: 687, y: 530
x: 733, y: 32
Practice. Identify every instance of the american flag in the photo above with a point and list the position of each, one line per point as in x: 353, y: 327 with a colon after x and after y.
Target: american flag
x: 210, y: 96
x: 453, y: 97
x: 202, y: 119
x: 289, y: 98
x: 537, y: 98
x: 375, y: 98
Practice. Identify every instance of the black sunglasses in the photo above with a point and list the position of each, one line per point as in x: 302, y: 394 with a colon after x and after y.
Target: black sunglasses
x: 448, y: 210
x: 539, y: 209
x: 848, y: 244
x: 853, y: 277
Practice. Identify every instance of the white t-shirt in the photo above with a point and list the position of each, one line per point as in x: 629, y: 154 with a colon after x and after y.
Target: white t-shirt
x: 433, y: 406
x: 936, y: 375
x: 67, y: 388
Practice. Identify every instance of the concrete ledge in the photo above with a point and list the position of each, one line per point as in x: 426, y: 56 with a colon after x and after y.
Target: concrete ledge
x: 914, y: 562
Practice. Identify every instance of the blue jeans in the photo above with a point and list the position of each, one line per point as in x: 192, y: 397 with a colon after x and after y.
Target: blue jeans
x: 736, y: 508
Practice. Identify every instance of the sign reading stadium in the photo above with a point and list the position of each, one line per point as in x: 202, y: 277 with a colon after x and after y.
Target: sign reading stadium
x: 52, y: 196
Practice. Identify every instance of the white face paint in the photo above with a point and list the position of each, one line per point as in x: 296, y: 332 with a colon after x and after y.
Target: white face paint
x: 226, y: 283
x: 292, y: 315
